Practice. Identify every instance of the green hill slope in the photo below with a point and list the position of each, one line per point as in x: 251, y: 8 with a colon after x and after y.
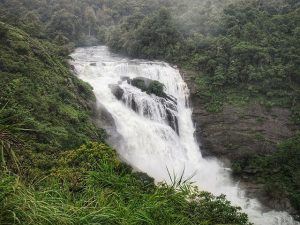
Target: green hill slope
x: 40, y: 94
x: 46, y: 110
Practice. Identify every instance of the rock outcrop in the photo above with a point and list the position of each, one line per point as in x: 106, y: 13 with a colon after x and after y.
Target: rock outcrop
x: 117, y: 91
x: 168, y: 104
x: 238, y: 131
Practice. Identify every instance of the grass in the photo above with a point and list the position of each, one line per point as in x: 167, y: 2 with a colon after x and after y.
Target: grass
x: 102, y: 190
x: 46, y: 107
x: 43, y: 183
x: 42, y: 91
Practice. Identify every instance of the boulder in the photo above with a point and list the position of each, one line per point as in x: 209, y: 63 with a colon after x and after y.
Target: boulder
x: 172, y: 120
x: 169, y: 102
x: 117, y: 91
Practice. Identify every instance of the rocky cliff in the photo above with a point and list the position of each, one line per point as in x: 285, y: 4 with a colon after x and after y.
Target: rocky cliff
x: 239, y: 131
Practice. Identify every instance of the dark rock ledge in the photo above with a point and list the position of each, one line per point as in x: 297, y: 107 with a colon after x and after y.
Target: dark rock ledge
x: 169, y: 102
x: 240, y: 130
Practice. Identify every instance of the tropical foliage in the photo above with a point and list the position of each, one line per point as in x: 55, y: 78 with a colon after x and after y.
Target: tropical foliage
x: 44, y: 107
x: 91, y: 186
x: 241, y: 51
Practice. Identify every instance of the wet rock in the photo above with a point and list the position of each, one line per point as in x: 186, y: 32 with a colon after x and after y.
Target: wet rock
x: 172, y: 121
x: 103, y: 119
x: 72, y: 67
x: 144, y: 80
x: 148, y: 85
x: 134, y: 105
x: 170, y: 98
x: 125, y: 78
x: 238, y: 131
x: 117, y: 91
x: 169, y: 104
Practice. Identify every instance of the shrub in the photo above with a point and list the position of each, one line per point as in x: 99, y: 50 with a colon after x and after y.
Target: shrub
x: 139, y: 83
x: 90, y: 186
x: 157, y: 88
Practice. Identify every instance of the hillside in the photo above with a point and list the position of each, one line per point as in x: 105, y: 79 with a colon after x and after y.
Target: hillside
x: 51, y: 172
x: 244, y: 77
x: 240, y: 59
x: 46, y: 105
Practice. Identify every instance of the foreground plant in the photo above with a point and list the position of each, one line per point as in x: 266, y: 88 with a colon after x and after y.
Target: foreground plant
x: 91, y: 186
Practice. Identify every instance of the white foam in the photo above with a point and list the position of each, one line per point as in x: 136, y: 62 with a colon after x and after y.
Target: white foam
x: 148, y: 143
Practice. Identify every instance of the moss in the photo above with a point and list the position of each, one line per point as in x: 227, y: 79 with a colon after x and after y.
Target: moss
x: 153, y: 87
x: 139, y: 84
x: 157, y: 88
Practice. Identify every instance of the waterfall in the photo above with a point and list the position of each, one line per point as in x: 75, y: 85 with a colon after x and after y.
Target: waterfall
x: 156, y: 134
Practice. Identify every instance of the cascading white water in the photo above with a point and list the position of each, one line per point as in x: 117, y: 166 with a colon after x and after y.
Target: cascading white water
x: 148, y: 142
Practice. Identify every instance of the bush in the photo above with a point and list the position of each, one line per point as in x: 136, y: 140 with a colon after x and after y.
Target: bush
x: 152, y: 86
x: 139, y: 83
x: 55, y: 104
x: 279, y: 171
x: 90, y: 186
x: 157, y: 88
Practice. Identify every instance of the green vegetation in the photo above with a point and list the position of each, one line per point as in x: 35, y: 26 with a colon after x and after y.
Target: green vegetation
x: 250, y: 53
x: 90, y: 185
x: 154, y: 86
x: 155, y: 37
x: 253, y: 51
x: 255, y: 55
x: 77, y: 21
x: 139, y: 83
x: 157, y: 88
x: 51, y: 106
x: 240, y: 52
x: 45, y: 111
x: 279, y: 172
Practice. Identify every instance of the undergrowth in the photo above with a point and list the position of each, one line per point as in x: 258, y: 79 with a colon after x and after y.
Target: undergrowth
x: 91, y: 186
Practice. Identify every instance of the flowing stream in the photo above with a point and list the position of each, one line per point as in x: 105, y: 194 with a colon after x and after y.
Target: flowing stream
x: 156, y: 134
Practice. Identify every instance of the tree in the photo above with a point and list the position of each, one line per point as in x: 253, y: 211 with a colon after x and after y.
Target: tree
x: 90, y: 18
x: 66, y: 23
x: 157, y: 35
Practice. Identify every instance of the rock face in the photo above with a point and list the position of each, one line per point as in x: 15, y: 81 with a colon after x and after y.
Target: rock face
x: 240, y: 130
x: 117, y: 91
x: 166, y: 106
x: 148, y: 85
x: 237, y: 130
x: 146, y: 81
x: 171, y: 107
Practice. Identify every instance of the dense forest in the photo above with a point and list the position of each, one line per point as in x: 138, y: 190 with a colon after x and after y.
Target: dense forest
x: 55, y: 164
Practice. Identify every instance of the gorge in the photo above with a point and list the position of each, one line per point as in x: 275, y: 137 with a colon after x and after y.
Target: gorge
x: 142, y: 127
